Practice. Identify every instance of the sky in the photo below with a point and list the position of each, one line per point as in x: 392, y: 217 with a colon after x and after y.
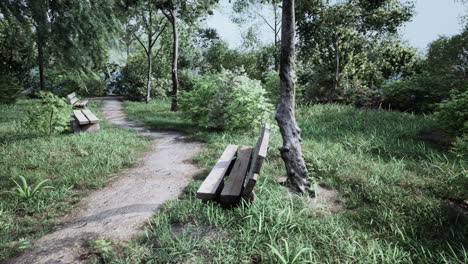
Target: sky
x: 433, y: 18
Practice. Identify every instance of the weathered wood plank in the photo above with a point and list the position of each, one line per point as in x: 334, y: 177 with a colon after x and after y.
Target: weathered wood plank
x: 249, y: 187
x: 90, y: 116
x: 72, y: 95
x: 80, y: 117
x: 233, y: 186
x: 73, y: 101
x: 210, y: 188
x: 83, y: 103
x: 258, y: 156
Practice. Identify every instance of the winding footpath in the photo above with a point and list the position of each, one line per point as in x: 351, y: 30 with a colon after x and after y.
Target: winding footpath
x: 120, y: 210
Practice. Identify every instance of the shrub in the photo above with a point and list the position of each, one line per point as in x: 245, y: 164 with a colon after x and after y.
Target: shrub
x: 10, y: 90
x: 361, y: 96
x: 131, y: 81
x: 272, y: 86
x: 226, y: 101
x: 420, y: 93
x: 453, y: 117
x: 48, y: 115
x: 453, y: 114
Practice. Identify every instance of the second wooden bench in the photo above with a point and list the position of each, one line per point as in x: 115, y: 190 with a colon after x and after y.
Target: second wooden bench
x: 241, y: 169
x: 84, y: 121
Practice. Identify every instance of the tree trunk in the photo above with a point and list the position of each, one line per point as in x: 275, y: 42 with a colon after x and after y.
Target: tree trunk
x: 41, y: 60
x: 39, y: 15
x: 276, y: 37
x: 175, y: 56
x: 337, y: 67
x: 291, y: 151
x: 148, y: 55
x: 148, y: 82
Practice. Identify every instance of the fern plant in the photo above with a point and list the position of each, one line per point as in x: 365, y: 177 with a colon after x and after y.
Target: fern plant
x: 288, y: 256
x: 26, y: 191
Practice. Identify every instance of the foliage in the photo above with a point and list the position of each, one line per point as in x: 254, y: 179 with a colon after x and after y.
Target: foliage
x: 25, y: 191
x: 70, y: 36
x: 74, y: 165
x: 347, y: 42
x: 226, y: 101
x: 10, y: 90
x: 16, y: 49
x: 49, y: 115
x: 255, y: 63
x: 272, y: 86
x: 447, y: 56
x: 360, y: 96
x: 421, y: 92
x: 392, y: 187
x: 452, y: 115
x: 131, y: 80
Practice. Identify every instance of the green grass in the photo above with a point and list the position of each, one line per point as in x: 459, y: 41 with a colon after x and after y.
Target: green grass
x: 396, y: 190
x: 73, y: 165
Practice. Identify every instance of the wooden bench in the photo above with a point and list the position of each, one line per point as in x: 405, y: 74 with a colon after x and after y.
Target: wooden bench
x: 84, y: 121
x: 75, y: 102
x: 241, y: 167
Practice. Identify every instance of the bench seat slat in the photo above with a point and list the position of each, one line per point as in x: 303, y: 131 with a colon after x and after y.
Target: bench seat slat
x: 90, y: 116
x: 233, y: 186
x: 211, y: 185
x: 72, y: 95
x: 80, y: 117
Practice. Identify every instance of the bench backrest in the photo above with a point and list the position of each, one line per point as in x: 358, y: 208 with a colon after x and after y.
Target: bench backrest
x: 258, y: 156
x: 72, y: 95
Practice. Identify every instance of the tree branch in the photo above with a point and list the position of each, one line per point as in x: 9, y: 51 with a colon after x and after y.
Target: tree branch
x: 159, y: 34
x: 272, y: 28
x: 141, y: 43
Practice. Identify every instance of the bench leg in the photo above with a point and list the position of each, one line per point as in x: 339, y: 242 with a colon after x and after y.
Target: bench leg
x: 75, y: 126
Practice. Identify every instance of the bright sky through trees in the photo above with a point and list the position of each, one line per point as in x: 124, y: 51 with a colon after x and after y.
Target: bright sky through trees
x: 433, y: 18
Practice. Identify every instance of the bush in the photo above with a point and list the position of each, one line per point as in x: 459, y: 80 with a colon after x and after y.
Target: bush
x: 272, y: 86
x: 361, y: 96
x: 10, y: 90
x: 49, y: 115
x: 420, y: 93
x: 453, y: 118
x: 453, y: 114
x: 226, y: 101
x: 131, y: 82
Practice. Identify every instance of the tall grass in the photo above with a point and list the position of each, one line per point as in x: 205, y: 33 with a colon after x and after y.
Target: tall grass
x: 395, y: 189
x: 72, y: 164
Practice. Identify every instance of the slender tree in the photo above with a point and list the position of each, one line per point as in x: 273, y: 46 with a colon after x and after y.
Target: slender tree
x: 254, y: 10
x: 291, y: 151
x: 152, y: 27
x: 190, y: 11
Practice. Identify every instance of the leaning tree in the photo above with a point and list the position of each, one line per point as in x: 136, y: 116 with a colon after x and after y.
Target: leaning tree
x: 291, y: 151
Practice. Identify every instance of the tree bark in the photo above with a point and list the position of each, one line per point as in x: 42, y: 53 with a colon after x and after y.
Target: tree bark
x: 276, y: 37
x: 291, y: 151
x: 175, y: 57
x: 41, y: 60
x: 149, y: 69
x: 337, y: 67
x: 149, y: 51
x: 39, y: 15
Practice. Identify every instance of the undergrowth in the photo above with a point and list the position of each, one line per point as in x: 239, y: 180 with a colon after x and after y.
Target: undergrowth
x: 395, y: 187
x: 71, y: 165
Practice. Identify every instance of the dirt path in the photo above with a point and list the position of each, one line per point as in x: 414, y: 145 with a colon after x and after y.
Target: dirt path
x: 120, y: 210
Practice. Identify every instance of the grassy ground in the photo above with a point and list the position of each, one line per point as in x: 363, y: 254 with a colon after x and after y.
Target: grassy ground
x: 397, y: 192
x: 74, y: 165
